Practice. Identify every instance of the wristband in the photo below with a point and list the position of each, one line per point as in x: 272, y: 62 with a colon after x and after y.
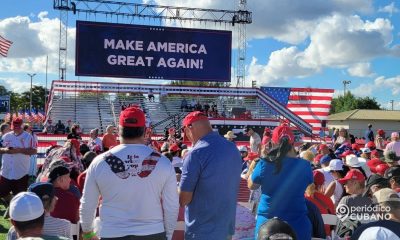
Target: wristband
x: 88, y: 235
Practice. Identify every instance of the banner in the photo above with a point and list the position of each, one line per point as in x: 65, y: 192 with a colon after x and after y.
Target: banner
x: 4, y: 104
x: 151, y: 52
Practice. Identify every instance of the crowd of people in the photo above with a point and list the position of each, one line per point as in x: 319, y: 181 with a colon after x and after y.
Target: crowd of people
x: 125, y: 185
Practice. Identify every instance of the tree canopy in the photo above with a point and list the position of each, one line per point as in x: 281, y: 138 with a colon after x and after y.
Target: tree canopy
x: 20, y: 101
x: 350, y: 102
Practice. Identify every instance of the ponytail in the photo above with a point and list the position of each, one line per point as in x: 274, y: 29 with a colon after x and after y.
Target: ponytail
x: 277, y: 154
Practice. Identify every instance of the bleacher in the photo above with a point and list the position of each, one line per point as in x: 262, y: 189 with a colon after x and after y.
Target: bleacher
x: 96, y: 105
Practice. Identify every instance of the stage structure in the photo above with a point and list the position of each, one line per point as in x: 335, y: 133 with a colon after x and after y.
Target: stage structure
x: 97, y: 104
x: 135, y: 11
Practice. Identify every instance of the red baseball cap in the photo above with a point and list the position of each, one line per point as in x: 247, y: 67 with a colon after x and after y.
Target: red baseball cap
x: 17, y: 123
x: 381, y: 169
x: 132, y: 117
x: 373, y: 163
x: 346, y: 153
x: 282, y: 131
x: 194, y: 117
x: 374, y: 154
x: 319, y: 178
x: 318, y: 158
x: 353, y: 174
x: 174, y: 148
x: 251, y: 156
x: 322, y: 146
x: 381, y: 132
x: 371, y: 144
x: 355, y: 146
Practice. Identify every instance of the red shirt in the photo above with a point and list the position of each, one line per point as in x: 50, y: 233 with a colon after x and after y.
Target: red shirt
x: 325, y: 206
x: 373, y: 163
x: 67, y: 206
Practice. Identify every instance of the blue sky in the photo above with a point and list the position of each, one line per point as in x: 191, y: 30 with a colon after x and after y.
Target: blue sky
x: 310, y: 43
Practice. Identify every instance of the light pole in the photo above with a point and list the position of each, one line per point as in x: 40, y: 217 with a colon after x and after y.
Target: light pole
x: 345, y: 83
x: 30, y: 98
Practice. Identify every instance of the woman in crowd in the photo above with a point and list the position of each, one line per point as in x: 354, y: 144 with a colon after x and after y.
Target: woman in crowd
x: 75, y: 132
x: 95, y: 144
x: 342, y: 138
x: 380, y: 140
x: 315, y: 194
x: 335, y: 189
x: 283, y: 178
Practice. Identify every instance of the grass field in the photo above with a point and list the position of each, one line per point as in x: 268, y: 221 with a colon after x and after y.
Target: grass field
x: 4, y: 223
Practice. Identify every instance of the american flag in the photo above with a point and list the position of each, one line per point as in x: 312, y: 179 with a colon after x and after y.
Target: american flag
x: 4, y: 46
x: 41, y: 117
x: 311, y: 104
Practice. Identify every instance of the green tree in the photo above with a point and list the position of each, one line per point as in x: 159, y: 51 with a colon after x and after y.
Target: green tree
x: 198, y: 83
x: 38, y: 93
x: 350, y: 102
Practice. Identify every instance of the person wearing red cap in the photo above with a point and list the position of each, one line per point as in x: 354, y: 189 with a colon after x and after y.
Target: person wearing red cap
x: 394, y: 145
x: 137, y: 186
x: 315, y: 194
x: 210, y: 181
x: 255, y: 140
x: 177, y: 162
x: 283, y: 178
x: 17, y: 148
x: 381, y: 169
x: 380, y: 140
x: 355, y: 202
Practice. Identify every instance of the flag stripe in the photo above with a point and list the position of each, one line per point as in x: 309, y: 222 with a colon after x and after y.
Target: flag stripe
x: 299, y: 97
x: 307, y: 109
x: 320, y: 114
x: 4, y: 46
x: 313, y: 90
x: 308, y: 102
x: 308, y: 105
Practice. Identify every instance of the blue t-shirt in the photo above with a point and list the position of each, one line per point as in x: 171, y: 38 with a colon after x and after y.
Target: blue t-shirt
x: 211, y: 170
x: 283, y: 193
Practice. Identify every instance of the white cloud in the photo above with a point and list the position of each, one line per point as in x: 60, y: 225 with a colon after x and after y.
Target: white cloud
x: 338, y: 41
x: 391, y: 8
x: 392, y: 83
x: 17, y: 85
x: 32, y: 42
x: 282, y: 65
x: 285, y: 20
x: 363, y: 90
x: 361, y: 70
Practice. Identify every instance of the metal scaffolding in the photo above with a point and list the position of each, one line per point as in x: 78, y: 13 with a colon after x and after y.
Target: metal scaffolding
x: 238, y: 18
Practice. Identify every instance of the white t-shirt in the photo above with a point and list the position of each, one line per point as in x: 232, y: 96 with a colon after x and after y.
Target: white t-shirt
x: 177, y: 162
x: 255, y: 140
x: 15, y: 166
x: 138, y: 190
x: 327, y: 175
x: 393, y: 146
x: 95, y: 142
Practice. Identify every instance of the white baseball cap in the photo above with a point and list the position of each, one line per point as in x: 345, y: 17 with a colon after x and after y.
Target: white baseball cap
x: 242, y: 149
x: 352, y: 161
x: 26, y: 206
x: 336, y: 165
x: 365, y: 150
